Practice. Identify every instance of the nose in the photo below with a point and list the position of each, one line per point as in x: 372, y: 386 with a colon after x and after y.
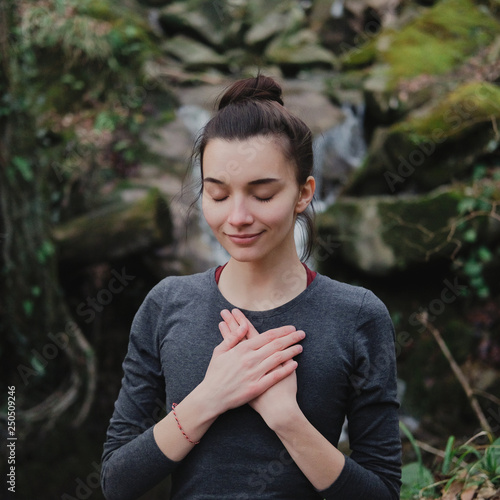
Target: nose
x: 239, y: 214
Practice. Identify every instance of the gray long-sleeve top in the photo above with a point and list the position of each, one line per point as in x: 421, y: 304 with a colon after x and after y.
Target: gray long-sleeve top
x: 347, y: 368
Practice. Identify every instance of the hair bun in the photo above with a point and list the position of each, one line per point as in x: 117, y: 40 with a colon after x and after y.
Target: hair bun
x: 260, y: 88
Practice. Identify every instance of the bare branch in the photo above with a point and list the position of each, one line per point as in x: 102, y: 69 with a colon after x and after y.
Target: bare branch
x: 424, y: 320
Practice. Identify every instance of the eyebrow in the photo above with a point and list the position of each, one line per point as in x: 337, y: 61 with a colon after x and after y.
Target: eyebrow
x: 256, y: 182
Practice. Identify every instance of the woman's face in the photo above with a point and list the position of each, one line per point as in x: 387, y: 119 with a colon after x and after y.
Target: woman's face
x: 250, y: 196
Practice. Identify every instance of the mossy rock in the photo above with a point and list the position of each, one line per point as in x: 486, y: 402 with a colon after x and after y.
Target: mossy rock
x: 380, y: 235
x: 269, y: 19
x: 127, y: 228
x: 213, y: 23
x: 434, y: 43
x: 298, y: 50
x: 427, y: 150
x: 194, y: 55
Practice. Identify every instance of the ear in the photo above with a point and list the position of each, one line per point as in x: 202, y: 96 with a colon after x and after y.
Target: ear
x: 305, y: 195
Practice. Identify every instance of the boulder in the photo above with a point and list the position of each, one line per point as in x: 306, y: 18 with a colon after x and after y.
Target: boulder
x: 432, y: 148
x: 284, y: 17
x: 210, y: 22
x: 132, y: 222
x: 379, y: 235
x: 195, y: 56
x: 298, y: 50
x: 433, y: 43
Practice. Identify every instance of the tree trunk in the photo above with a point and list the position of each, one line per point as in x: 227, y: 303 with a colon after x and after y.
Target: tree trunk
x: 33, y: 310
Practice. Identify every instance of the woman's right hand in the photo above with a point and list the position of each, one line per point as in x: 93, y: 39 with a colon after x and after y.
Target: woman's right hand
x: 241, y: 369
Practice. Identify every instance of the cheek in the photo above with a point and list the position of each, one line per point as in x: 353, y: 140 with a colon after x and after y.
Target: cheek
x: 212, y: 213
x: 279, y: 215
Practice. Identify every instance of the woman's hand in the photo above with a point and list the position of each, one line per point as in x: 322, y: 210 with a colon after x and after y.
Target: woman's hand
x: 244, y: 366
x: 280, y: 399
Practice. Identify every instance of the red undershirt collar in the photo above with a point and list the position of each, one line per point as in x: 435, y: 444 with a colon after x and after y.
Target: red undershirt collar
x: 310, y: 274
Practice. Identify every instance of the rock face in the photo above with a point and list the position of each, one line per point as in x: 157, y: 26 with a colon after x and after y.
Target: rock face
x: 195, y: 56
x: 435, y: 146
x: 247, y: 33
x: 435, y: 42
x: 381, y: 235
x: 138, y: 222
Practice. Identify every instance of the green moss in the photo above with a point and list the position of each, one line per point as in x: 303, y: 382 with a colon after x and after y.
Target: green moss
x: 354, y: 57
x: 434, y: 43
x: 468, y: 105
x: 440, y: 39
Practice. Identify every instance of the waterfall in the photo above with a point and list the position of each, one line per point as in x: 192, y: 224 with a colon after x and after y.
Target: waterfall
x: 337, y: 152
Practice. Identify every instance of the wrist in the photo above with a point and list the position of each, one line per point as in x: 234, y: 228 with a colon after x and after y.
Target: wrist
x: 284, y: 419
x: 209, y: 409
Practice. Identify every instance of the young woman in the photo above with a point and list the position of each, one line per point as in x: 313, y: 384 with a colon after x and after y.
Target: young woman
x: 258, y: 361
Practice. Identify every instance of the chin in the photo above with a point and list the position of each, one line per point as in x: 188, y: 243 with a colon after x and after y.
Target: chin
x: 244, y: 254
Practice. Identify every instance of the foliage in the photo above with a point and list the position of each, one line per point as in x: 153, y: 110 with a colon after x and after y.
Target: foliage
x: 80, y: 73
x: 73, y: 96
x: 465, y: 468
x: 475, y: 211
x: 414, y: 476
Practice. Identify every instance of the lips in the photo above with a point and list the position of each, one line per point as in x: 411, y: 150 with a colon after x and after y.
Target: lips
x: 244, y: 239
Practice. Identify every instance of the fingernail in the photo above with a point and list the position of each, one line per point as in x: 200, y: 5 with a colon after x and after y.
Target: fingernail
x: 301, y: 333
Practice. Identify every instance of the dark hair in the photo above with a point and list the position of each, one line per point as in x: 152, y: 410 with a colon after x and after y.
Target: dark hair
x: 252, y: 107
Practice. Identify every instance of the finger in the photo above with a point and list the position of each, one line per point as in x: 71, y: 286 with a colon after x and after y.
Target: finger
x: 279, y: 373
x: 270, y: 335
x: 224, y: 330
x: 242, y: 319
x: 280, y: 358
x: 231, y: 338
x: 229, y: 319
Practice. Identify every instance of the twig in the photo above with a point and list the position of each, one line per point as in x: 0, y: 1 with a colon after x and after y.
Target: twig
x: 430, y: 449
x: 487, y: 395
x: 423, y: 319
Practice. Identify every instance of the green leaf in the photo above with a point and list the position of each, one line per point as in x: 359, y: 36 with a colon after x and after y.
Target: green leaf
x: 414, y: 477
x: 484, y: 254
x: 466, y: 205
x: 36, y: 291
x: 470, y: 235
x: 483, y: 292
x: 35, y: 363
x: 46, y: 249
x: 104, y: 121
x: 480, y: 172
x: 24, y: 167
x: 28, y: 307
x: 448, y: 455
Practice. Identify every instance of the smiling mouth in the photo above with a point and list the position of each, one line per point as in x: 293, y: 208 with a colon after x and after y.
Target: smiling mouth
x: 244, y: 238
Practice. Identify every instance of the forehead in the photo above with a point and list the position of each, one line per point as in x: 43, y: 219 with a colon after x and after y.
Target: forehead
x: 246, y: 160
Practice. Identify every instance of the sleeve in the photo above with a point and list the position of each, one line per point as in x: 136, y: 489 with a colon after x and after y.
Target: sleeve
x: 132, y: 463
x: 373, y: 469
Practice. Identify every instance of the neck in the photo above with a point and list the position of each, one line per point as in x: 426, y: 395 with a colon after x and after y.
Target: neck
x: 263, y: 285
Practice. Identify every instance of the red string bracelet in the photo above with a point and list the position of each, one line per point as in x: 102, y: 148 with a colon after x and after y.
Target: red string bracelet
x: 179, y: 425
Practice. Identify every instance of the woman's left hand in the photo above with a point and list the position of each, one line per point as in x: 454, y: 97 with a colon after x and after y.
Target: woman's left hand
x: 280, y: 400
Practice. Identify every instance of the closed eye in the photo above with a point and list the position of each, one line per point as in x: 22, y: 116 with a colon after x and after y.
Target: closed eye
x: 217, y: 200
x: 264, y: 199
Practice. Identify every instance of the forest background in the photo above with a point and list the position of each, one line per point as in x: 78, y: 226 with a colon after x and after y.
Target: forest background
x: 99, y: 104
